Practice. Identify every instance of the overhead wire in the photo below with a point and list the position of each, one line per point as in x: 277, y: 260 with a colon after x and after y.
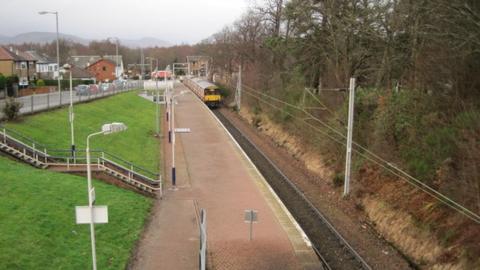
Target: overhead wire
x: 380, y: 161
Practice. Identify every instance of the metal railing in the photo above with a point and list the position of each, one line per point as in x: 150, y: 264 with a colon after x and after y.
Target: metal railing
x: 41, y: 102
x: 41, y: 153
x: 202, y: 256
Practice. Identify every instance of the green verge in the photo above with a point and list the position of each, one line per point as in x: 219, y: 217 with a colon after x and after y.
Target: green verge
x: 137, y: 144
x: 37, y: 220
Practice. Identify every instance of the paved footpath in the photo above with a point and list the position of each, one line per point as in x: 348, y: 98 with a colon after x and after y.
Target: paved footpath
x: 214, y: 174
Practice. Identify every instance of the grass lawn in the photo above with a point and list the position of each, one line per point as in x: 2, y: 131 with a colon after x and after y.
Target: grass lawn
x: 137, y: 144
x: 37, y: 219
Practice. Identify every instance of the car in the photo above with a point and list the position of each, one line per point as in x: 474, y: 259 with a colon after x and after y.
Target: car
x: 93, y: 89
x: 82, y: 90
x: 107, y: 87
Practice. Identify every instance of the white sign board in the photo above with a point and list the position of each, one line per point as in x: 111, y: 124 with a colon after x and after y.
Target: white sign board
x: 83, y: 215
x: 251, y: 216
x: 182, y: 130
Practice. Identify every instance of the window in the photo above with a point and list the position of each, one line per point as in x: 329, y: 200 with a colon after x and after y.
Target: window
x: 21, y: 65
x: 104, y: 68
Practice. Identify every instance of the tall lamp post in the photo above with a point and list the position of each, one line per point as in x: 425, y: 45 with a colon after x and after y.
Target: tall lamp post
x: 106, y: 129
x: 117, y: 56
x: 58, y: 52
x: 71, y: 115
x: 172, y: 123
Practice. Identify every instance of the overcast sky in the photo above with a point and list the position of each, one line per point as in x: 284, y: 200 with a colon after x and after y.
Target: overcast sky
x: 175, y: 21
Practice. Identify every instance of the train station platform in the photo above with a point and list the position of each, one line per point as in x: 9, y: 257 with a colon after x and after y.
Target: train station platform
x: 214, y: 174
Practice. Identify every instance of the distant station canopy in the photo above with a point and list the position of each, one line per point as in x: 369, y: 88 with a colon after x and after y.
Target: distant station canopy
x: 161, y: 74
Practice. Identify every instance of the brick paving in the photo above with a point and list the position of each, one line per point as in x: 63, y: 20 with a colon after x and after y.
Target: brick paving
x: 213, y: 174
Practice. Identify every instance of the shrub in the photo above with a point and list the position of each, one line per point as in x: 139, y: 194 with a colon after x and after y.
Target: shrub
x: 65, y: 84
x: 10, y: 80
x: 12, y: 108
x: 40, y: 83
x: 338, y: 180
x: 3, y: 81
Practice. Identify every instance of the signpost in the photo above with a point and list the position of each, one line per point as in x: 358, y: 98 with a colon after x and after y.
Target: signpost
x: 83, y: 214
x: 251, y: 216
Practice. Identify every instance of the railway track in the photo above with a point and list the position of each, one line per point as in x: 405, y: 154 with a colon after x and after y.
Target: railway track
x: 332, y: 249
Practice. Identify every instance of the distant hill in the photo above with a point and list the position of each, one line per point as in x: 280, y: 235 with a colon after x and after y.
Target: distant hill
x: 45, y: 37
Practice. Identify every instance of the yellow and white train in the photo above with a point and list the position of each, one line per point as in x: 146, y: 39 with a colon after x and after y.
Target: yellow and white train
x: 206, y: 91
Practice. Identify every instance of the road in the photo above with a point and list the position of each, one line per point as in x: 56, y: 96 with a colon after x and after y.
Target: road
x: 40, y: 102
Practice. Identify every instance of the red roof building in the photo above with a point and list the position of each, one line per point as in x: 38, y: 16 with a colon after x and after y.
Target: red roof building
x: 103, y: 69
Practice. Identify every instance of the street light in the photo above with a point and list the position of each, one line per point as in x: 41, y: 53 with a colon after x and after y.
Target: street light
x: 117, y: 56
x: 172, y: 122
x: 106, y: 129
x: 71, y: 116
x: 58, y: 52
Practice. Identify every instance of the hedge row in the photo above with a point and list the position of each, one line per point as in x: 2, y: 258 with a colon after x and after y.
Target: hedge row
x: 66, y: 83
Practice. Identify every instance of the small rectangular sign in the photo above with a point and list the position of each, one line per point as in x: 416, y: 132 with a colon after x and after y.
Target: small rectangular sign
x: 92, y: 194
x: 251, y: 216
x: 83, y: 215
x: 182, y: 130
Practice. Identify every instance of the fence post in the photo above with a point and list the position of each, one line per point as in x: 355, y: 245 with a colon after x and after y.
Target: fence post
x: 31, y: 102
x: 48, y: 100
x: 4, y: 136
x: 34, y: 153
x: 45, y: 154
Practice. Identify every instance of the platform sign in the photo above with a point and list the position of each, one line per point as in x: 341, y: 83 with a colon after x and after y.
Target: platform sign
x: 92, y: 195
x: 182, y: 130
x: 251, y: 216
x: 83, y: 215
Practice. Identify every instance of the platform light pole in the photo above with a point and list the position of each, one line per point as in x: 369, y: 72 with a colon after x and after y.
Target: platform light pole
x: 169, y: 106
x: 172, y: 106
x: 106, y: 129
x: 58, y: 52
x: 158, y: 106
x: 348, y: 162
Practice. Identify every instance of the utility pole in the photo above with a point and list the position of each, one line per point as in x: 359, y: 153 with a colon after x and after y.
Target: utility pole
x: 238, y: 95
x: 348, y: 162
x: 142, y: 63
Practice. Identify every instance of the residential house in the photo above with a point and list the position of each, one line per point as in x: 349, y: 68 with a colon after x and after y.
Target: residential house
x: 198, y: 65
x: 15, y: 62
x: 46, y: 67
x: 103, y: 69
x: 81, y: 74
x: 83, y: 61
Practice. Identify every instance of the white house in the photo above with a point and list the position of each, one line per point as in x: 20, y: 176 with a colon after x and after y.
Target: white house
x: 46, y: 68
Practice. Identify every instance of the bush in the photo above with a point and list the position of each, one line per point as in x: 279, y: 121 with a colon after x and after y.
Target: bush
x: 12, y: 108
x: 13, y: 79
x: 338, y: 180
x: 40, y: 83
x: 65, y: 84
x: 3, y: 81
